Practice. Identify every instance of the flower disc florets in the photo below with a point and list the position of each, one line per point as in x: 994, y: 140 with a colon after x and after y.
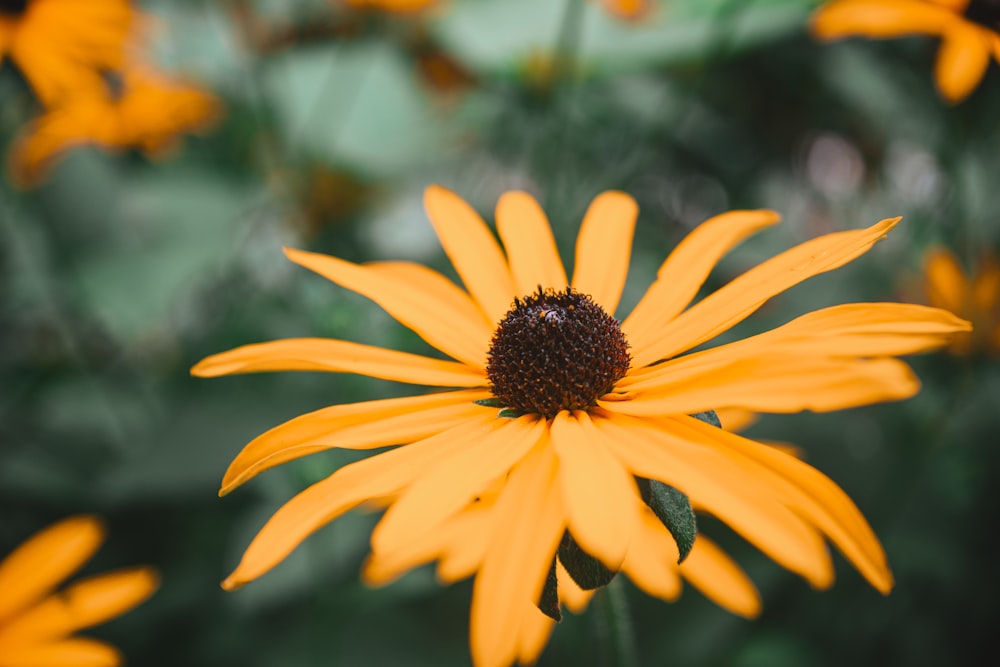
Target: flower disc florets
x: 984, y: 12
x: 556, y: 351
x: 13, y: 7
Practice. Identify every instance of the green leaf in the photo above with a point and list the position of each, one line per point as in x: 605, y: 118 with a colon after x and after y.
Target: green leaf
x: 588, y: 572
x: 548, y: 604
x: 674, y: 511
x: 489, y: 402
x: 509, y: 413
x: 709, y: 417
x: 356, y: 105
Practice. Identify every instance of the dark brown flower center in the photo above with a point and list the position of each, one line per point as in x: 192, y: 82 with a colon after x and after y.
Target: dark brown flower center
x: 556, y: 351
x: 13, y: 7
x: 984, y: 12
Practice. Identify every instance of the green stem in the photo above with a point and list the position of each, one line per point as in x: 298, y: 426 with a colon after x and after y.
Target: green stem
x: 615, y: 634
x: 568, y: 43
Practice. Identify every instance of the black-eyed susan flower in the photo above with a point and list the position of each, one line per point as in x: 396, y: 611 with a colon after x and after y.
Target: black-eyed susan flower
x: 969, y: 31
x: 148, y: 113
x: 566, y: 414
x: 393, y: 6
x: 37, y: 623
x: 62, y: 47
x: 629, y: 10
x: 975, y: 296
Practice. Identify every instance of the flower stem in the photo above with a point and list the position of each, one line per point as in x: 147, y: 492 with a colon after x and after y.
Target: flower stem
x: 615, y: 634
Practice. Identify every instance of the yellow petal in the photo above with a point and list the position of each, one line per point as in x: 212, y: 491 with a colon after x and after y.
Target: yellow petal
x: 471, y: 524
x: 44, y: 560
x: 808, y: 492
x: 375, y: 477
x: 962, y: 59
x: 451, y: 484
x: 529, y: 525
x: 339, y: 356
x: 772, y: 383
x: 603, y: 248
x: 600, y: 497
x: 86, y: 603
x: 720, y: 579
x: 652, y: 559
x: 878, y: 18
x: 715, y: 482
x: 742, y: 296
x: 366, y: 425
x: 535, y: 630
x: 72, y: 652
x: 418, y: 297
x: 684, y: 271
x: 464, y: 552
x: 531, y: 249
x: 986, y: 288
x: 473, y: 251
x: 856, y: 329
x: 946, y: 284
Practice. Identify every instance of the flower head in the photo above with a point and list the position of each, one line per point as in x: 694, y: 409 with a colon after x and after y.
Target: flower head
x: 62, y: 46
x: 37, y: 623
x: 569, y: 454
x: 969, y: 32
x: 147, y: 113
x: 975, y: 297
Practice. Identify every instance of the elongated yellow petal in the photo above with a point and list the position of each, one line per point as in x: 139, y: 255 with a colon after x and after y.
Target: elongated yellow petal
x: 603, y: 248
x: 381, y: 475
x: 473, y: 251
x: 878, y: 18
x: 467, y: 545
x: 715, y: 482
x: 531, y: 249
x: 738, y: 299
x: 772, y: 383
x: 535, y: 629
x: 44, y: 560
x: 529, y: 525
x: 810, y: 493
x: 468, y: 526
x: 367, y: 425
x: 652, y: 559
x: 339, y: 356
x: 600, y: 497
x: 84, y: 604
x: 418, y: 297
x: 72, y: 652
x: 850, y: 330
x: 962, y: 60
x: 946, y: 284
x: 720, y: 579
x: 686, y: 268
x: 451, y: 484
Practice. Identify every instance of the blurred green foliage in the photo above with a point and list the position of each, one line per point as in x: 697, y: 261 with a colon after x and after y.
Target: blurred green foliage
x: 119, y: 273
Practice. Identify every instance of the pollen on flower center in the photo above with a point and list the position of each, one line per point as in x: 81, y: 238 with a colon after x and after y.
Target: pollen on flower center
x: 556, y: 351
x: 984, y: 12
x: 13, y: 7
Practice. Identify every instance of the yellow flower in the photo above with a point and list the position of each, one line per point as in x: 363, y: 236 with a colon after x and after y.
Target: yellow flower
x: 975, y: 297
x: 37, y: 623
x: 62, y: 46
x: 394, y: 6
x: 148, y: 114
x: 628, y: 10
x: 590, y: 405
x: 969, y: 32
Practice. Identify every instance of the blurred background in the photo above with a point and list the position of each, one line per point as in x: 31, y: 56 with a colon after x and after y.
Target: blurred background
x: 120, y: 268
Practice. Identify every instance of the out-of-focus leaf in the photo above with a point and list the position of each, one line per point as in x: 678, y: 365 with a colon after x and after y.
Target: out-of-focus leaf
x: 357, y: 105
x: 176, y: 229
x: 504, y: 37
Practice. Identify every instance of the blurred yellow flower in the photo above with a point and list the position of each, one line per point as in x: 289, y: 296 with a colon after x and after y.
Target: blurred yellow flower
x: 148, y: 114
x: 396, y: 6
x: 628, y: 10
x: 62, y: 46
x: 975, y: 297
x: 37, y: 623
x: 587, y: 402
x: 969, y: 32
